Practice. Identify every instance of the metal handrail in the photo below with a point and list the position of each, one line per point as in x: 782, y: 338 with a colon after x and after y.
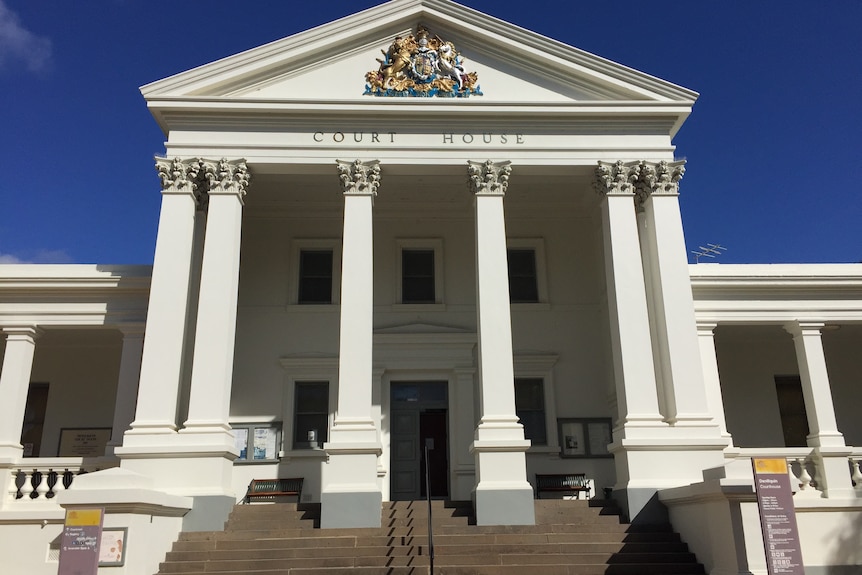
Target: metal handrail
x: 429, y: 445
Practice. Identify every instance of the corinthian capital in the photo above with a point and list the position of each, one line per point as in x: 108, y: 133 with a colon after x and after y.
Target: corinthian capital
x: 488, y: 178
x: 359, y: 178
x: 661, y: 178
x: 616, y: 178
x: 226, y: 176
x: 179, y: 175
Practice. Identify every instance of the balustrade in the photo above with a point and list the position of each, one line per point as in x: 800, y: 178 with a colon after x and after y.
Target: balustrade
x: 805, y: 468
x: 42, y: 480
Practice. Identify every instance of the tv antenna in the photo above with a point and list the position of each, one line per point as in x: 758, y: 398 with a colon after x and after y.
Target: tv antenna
x: 710, y: 251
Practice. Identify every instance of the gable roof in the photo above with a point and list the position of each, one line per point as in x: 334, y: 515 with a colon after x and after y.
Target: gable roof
x: 324, y: 68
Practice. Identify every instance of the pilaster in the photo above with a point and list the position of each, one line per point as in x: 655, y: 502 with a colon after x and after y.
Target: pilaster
x: 351, y: 495
x: 127, y: 384
x: 14, y: 385
x: 502, y: 496
x: 711, y: 379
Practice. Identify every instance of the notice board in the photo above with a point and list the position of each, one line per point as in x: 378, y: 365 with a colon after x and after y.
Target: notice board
x: 777, y: 516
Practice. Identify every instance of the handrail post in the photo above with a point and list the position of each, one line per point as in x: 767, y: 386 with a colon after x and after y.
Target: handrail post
x: 429, y: 444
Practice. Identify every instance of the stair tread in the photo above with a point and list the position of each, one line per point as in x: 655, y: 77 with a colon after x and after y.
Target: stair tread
x: 569, y: 538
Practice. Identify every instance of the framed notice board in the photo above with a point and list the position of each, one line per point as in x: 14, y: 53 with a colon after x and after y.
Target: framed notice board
x: 83, y: 441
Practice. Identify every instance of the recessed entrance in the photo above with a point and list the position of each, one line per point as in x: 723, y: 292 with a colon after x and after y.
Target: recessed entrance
x: 419, y: 412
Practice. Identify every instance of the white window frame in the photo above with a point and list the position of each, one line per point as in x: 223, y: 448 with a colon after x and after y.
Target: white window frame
x: 538, y: 246
x: 306, y: 369
x: 541, y: 366
x: 309, y: 244
x: 435, y: 245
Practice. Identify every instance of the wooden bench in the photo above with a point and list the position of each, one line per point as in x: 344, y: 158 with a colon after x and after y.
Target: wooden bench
x: 274, y: 488
x: 562, y: 483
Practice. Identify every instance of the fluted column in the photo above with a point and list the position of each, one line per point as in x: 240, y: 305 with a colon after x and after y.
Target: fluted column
x: 127, y: 384
x: 503, y: 495
x: 830, y: 450
x: 351, y: 495
x: 14, y: 385
x: 215, y: 333
x: 167, y: 312
x: 672, y: 303
x: 631, y: 347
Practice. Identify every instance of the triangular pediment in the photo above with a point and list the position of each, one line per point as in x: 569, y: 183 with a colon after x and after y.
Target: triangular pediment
x: 329, y: 64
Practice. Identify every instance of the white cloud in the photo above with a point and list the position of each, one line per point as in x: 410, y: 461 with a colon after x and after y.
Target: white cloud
x: 9, y: 259
x: 19, y: 44
x: 38, y: 257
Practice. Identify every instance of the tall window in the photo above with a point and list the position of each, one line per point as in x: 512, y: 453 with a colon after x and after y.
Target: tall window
x: 311, y: 414
x: 530, y: 408
x: 791, y: 407
x: 417, y: 276
x: 315, y: 277
x: 523, y: 277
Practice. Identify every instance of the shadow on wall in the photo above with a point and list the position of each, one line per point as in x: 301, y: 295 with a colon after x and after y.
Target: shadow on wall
x: 848, y: 556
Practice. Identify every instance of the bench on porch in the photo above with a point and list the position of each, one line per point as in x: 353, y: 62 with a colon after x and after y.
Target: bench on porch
x: 259, y: 488
x: 575, y: 483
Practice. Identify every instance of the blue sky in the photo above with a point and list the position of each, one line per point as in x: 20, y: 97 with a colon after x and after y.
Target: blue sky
x: 773, y: 145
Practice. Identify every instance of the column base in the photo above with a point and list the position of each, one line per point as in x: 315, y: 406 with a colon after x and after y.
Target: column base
x: 503, y: 496
x: 644, y: 466
x: 833, y: 472
x: 350, y: 509
x: 351, y: 495
x: 504, y: 504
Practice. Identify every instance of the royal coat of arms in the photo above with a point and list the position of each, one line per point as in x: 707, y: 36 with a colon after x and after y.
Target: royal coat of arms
x: 421, y: 66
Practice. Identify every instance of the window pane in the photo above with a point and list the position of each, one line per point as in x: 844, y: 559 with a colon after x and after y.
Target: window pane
x: 530, y: 408
x: 523, y: 280
x: 417, y: 276
x: 311, y: 413
x: 315, y: 276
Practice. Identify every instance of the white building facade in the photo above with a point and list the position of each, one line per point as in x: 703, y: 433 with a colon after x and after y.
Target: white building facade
x: 478, y: 241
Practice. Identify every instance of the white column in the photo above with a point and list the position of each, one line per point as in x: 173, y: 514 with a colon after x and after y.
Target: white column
x: 830, y: 451
x: 351, y: 494
x: 162, y: 361
x: 711, y: 378
x: 14, y: 385
x: 672, y: 303
x: 651, y: 449
x: 823, y: 427
x: 631, y: 347
x: 127, y: 384
x: 503, y: 496
x: 215, y: 333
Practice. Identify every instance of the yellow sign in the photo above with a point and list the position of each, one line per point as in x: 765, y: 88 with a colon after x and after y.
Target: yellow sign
x: 81, y: 517
x: 770, y: 465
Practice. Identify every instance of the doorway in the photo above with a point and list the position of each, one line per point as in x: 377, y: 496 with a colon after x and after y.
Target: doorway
x: 419, y: 412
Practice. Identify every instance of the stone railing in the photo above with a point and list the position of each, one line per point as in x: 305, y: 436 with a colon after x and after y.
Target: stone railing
x: 41, y: 479
x: 804, y: 467
x: 856, y: 470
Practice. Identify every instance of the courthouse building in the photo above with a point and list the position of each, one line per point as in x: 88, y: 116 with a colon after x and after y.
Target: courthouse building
x: 418, y: 222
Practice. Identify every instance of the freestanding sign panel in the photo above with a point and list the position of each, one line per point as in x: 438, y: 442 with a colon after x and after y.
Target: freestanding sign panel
x: 777, y: 517
x: 79, y: 545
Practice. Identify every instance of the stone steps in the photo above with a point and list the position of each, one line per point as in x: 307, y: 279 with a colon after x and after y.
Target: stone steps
x: 570, y: 537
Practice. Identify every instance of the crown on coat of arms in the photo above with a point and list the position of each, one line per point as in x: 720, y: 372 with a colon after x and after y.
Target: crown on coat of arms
x: 421, y: 66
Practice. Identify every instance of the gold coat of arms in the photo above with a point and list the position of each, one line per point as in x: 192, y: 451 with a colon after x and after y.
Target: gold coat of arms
x: 421, y: 66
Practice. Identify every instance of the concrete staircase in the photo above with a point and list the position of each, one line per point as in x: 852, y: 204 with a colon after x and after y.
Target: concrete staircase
x: 570, y: 538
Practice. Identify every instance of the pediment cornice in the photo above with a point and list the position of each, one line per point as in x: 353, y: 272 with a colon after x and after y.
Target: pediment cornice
x: 573, y: 82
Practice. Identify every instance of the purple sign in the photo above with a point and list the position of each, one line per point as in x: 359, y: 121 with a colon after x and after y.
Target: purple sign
x: 79, y: 544
x: 777, y: 517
